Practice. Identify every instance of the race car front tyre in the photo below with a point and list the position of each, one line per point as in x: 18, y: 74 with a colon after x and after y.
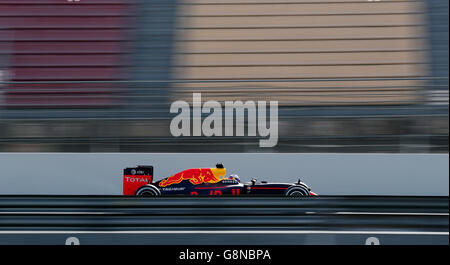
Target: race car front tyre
x: 148, y: 191
x: 297, y: 191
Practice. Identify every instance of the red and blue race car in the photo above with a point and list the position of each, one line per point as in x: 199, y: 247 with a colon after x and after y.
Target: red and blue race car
x: 138, y: 181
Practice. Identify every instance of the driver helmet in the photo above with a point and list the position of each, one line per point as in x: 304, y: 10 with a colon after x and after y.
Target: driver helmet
x: 235, y: 177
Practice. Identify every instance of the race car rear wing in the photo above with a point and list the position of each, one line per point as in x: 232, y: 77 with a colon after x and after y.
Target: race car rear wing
x: 135, y: 177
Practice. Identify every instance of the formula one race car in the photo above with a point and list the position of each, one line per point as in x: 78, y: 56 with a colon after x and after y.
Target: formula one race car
x: 204, y: 182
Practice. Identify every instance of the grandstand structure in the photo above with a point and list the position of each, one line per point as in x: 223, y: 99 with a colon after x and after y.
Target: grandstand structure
x: 100, y: 75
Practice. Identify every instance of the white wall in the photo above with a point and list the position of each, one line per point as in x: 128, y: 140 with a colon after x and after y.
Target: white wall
x: 327, y: 174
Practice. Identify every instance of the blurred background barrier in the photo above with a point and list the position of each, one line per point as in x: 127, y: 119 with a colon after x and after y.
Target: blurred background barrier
x: 100, y: 75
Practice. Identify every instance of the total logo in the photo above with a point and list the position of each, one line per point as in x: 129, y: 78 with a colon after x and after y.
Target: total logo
x: 131, y: 179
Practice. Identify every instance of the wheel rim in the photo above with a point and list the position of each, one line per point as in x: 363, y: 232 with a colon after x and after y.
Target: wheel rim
x: 296, y: 193
x: 147, y: 193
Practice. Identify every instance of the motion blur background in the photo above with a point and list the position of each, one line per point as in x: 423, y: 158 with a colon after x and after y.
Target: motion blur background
x: 99, y: 75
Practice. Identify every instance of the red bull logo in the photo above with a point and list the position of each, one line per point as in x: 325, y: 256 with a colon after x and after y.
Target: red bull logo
x: 195, y: 176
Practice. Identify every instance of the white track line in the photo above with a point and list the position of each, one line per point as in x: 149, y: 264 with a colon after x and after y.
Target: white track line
x: 119, y: 213
x: 233, y: 232
x: 59, y: 213
x: 392, y: 213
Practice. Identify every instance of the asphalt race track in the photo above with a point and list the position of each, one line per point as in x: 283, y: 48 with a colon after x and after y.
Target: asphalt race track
x: 353, y: 220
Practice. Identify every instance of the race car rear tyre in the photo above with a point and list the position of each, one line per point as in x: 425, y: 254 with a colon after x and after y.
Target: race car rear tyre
x: 148, y: 191
x: 297, y: 191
